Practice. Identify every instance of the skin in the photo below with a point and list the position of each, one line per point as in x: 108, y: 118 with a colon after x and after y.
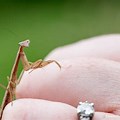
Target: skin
x: 91, y: 73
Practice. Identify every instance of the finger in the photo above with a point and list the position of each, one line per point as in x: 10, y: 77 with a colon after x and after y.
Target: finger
x: 105, y: 46
x: 33, y: 109
x: 81, y: 79
x: 105, y: 116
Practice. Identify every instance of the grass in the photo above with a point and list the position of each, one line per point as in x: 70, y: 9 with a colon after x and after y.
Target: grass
x: 51, y: 24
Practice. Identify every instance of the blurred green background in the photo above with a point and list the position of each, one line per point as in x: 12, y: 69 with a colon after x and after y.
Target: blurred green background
x: 49, y: 24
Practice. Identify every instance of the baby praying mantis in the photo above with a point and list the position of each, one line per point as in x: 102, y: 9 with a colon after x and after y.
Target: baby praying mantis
x: 13, y: 80
x: 10, y: 90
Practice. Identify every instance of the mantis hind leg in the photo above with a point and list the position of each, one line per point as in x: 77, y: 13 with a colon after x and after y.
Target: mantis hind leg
x: 40, y: 63
x: 44, y: 63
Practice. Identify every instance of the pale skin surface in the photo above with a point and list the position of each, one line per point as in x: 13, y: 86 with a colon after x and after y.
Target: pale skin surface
x: 90, y: 71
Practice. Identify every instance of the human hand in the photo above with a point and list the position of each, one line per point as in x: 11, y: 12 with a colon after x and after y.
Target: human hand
x: 90, y: 71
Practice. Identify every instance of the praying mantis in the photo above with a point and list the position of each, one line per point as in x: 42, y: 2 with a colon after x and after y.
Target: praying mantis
x: 13, y: 80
